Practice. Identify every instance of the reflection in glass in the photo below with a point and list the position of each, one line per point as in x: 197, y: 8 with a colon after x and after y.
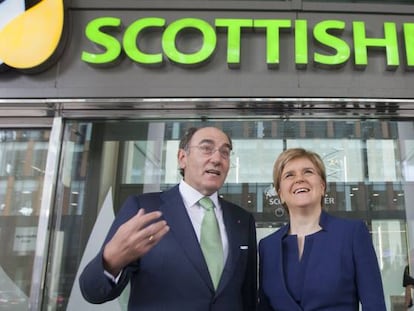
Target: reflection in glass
x: 407, y: 157
x: 369, y: 167
x: 390, y: 243
x: 22, y: 168
x: 382, y: 164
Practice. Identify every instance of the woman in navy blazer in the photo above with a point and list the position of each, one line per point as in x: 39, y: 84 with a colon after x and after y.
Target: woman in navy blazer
x: 316, y: 261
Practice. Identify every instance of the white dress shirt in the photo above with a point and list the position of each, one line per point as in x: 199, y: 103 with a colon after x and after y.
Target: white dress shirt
x: 196, y: 212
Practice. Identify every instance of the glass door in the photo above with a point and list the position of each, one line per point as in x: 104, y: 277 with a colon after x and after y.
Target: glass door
x: 23, y: 154
x: 369, y: 167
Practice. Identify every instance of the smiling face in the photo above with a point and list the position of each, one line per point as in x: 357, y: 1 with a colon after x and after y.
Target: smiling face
x: 301, y: 184
x: 203, y: 171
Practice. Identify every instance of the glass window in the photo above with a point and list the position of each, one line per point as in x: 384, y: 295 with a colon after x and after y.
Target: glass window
x: 369, y: 167
x: 390, y: 241
x: 22, y: 168
x: 382, y: 164
x: 407, y: 162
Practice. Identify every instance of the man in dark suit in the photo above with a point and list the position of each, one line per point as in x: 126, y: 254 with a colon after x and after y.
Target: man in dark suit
x: 157, y: 241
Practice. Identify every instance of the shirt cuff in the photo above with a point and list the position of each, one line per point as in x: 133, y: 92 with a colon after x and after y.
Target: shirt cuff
x: 112, y: 278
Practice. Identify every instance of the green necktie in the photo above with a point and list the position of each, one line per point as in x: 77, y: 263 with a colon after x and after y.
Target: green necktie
x: 210, y: 241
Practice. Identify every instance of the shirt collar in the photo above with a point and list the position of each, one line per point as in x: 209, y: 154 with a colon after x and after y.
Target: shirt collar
x: 323, y: 222
x: 191, y: 196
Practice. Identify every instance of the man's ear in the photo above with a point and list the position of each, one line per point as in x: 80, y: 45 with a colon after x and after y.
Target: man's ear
x: 182, y: 157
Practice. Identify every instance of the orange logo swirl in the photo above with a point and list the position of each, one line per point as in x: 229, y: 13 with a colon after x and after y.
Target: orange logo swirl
x: 33, y: 36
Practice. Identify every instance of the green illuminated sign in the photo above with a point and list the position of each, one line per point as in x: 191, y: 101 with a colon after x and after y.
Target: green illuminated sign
x: 332, y: 49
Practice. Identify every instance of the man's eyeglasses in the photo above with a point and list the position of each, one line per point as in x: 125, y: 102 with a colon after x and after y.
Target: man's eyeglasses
x: 208, y: 150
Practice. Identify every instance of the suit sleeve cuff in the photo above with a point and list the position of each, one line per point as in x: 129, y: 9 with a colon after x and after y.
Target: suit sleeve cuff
x: 112, y: 278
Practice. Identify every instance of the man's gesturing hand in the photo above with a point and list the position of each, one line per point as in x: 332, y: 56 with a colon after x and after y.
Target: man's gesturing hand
x: 133, y: 239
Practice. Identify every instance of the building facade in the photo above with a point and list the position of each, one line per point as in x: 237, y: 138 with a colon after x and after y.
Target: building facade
x: 94, y: 100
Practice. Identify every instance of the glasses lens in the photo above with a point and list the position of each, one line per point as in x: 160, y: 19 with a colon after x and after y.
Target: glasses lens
x: 225, y: 152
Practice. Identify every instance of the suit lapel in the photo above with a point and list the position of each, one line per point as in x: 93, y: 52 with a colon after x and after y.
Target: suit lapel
x: 233, y: 237
x: 280, y: 276
x: 315, y: 256
x: 235, y: 233
x: 174, y: 212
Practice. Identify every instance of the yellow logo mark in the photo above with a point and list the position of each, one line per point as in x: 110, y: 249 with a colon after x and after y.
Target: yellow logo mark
x: 32, y: 37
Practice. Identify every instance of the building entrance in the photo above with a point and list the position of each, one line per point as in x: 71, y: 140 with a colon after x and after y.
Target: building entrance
x: 369, y: 169
x: 370, y: 172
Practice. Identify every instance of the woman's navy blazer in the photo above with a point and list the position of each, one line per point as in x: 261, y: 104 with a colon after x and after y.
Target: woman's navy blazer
x: 342, y: 270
